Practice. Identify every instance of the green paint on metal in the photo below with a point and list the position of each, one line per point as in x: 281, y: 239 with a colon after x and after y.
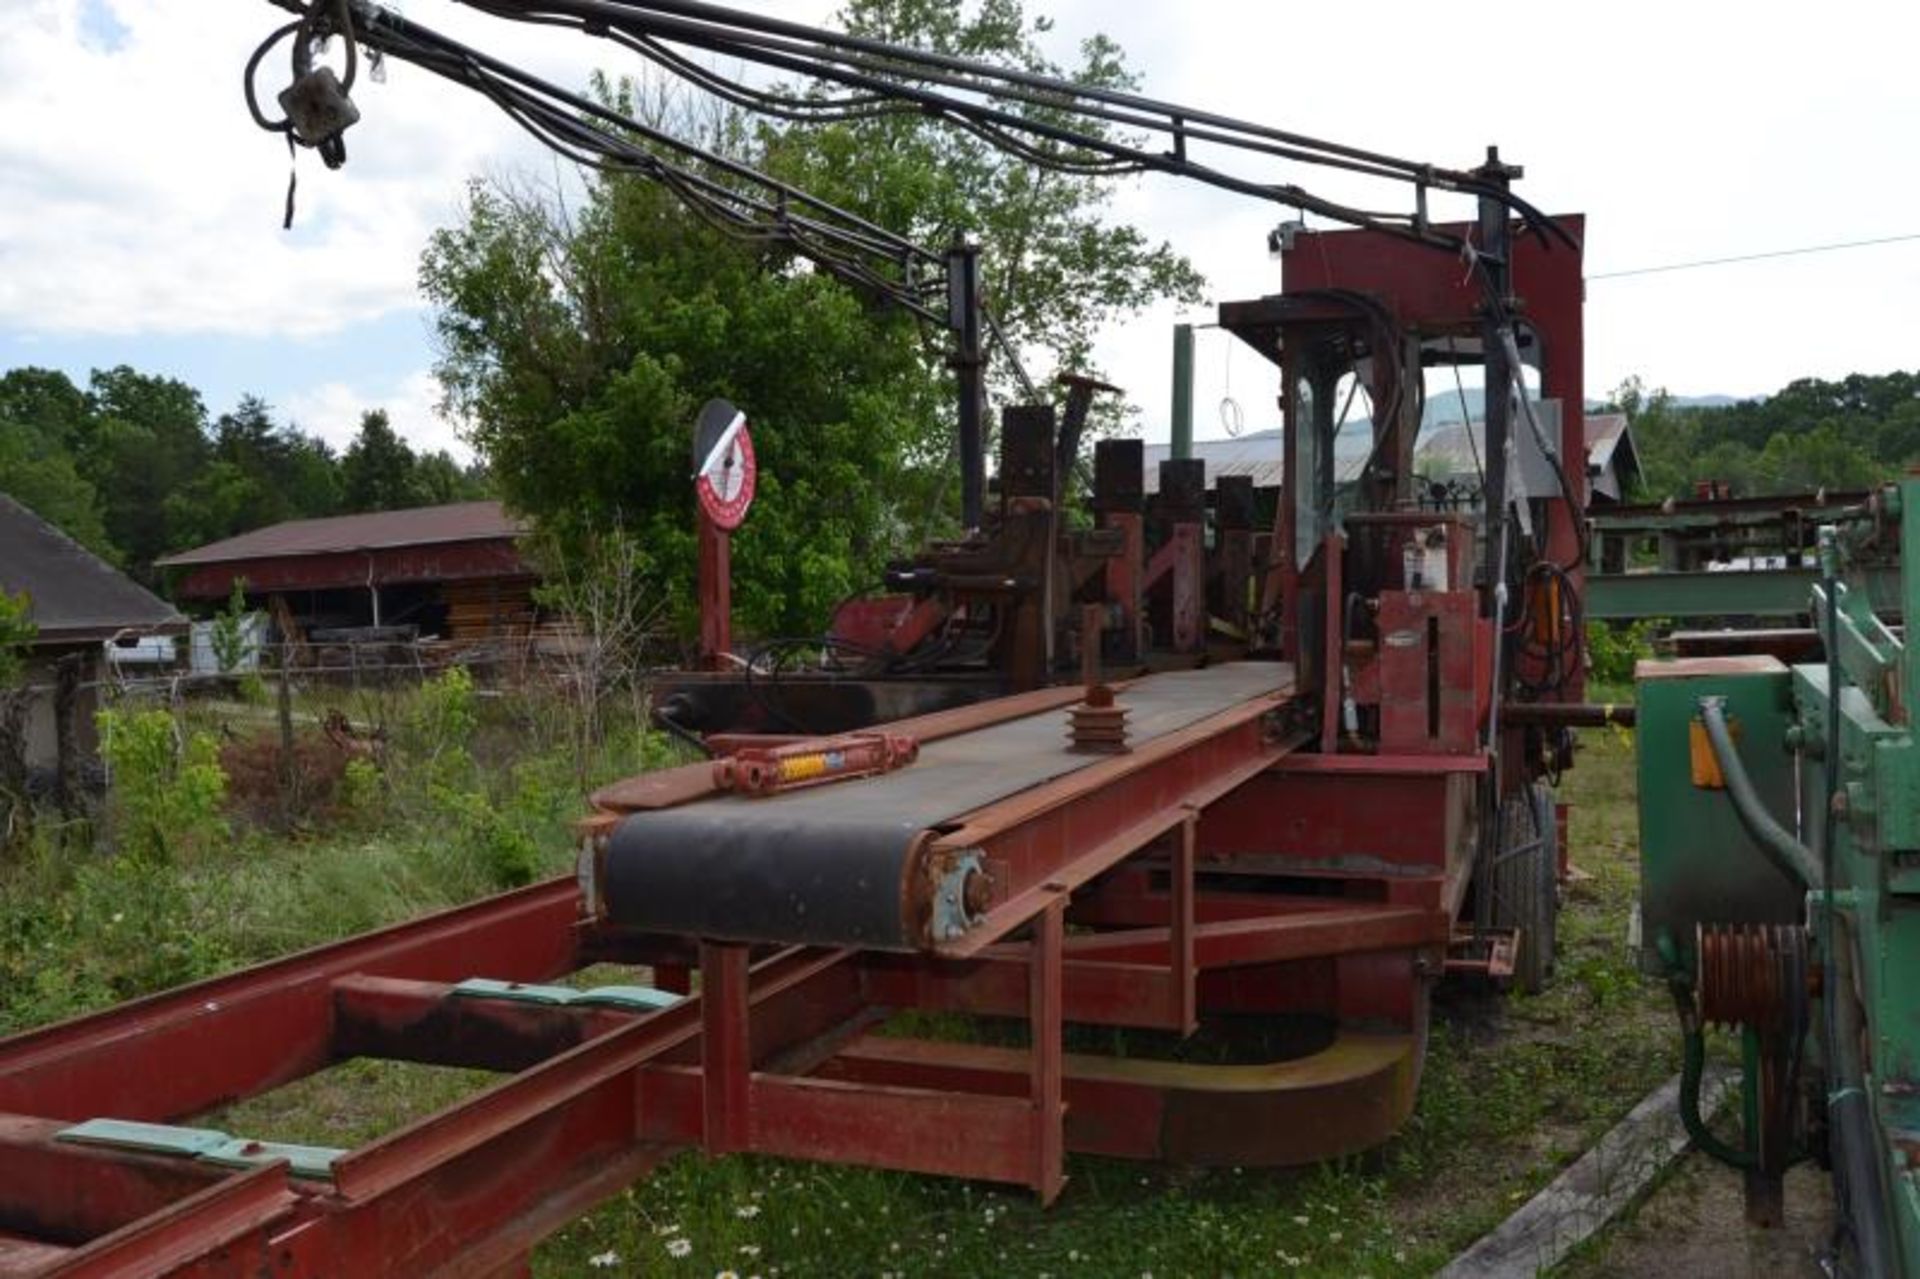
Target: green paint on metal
x: 643, y: 998
x: 1698, y: 867
x: 1182, y: 418
x: 312, y: 1162
x: 519, y: 992
x: 1785, y: 592
x: 1698, y: 864
x: 208, y: 1145
x: 159, y: 1139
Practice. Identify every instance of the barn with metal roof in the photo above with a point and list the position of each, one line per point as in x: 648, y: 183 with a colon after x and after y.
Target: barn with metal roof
x: 455, y: 571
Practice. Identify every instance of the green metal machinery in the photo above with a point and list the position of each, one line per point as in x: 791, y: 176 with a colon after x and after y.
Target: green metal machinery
x: 1780, y: 893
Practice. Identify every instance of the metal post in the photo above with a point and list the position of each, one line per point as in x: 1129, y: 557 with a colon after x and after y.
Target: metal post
x: 716, y: 593
x: 725, y: 1055
x: 1493, y: 258
x: 1045, y: 1009
x: 1182, y: 390
x: 969, y: 364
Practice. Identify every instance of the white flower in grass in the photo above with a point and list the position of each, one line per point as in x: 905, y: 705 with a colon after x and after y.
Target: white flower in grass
x: 749, y: 1249
x: 679, y: 1247
x: 604, y: 1260
x: 727, y: 1274
x: 666, y: 1230
x: 747, y: 1212
x: 1300, y: 1221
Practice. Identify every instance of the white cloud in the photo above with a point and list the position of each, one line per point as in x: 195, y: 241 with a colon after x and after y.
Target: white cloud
x: 136, y: 197
x: 331, y: 410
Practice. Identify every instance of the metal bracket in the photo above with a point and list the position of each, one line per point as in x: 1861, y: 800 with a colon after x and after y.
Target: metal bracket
x: 636, y: 998
x: 209, y: 1145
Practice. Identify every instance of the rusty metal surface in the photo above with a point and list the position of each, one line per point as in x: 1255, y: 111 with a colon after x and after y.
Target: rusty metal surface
x: 377, y: 530
x: 1751, y: 975
x: 667, y: 787
x: 1344, y: 1098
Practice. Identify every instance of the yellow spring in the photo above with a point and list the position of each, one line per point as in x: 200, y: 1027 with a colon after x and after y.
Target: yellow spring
x: 801, y: 768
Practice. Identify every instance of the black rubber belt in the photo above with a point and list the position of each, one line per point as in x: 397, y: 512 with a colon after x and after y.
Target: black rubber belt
x: 828, y: 865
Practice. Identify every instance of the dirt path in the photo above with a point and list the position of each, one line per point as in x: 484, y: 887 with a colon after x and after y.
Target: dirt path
x: 1693, y: 1227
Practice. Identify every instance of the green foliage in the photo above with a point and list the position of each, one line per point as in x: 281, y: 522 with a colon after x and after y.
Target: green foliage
x: 132, y: 468
x: 166, y: 785
x: 379, y: 472
x: 228, y: 635
x: 581, y: 341
x: 16, y: 635
x: 1613, y: 648
x: 362, y: 794
x: 1812, y: 434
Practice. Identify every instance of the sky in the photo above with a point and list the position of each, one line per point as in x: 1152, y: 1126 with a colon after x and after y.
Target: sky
x: 140, y: 208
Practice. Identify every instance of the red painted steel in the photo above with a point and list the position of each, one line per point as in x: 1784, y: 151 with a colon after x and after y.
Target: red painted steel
x: 716, y: 593
x: 725, y: 1054
x: 357, y: 570
x: 1045, y: 1015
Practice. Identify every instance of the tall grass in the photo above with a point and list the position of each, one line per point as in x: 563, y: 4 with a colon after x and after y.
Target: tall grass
x: 473, y: 792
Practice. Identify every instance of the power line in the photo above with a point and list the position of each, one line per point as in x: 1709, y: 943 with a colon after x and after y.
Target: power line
x: 1755, y: 257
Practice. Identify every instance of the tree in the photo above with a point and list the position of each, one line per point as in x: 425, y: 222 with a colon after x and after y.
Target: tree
x: 579, y: 342
x: 1812, y: 434
x: 1058, y: 269
x: 43, y: 415
x: 146, y: 442
x: 378, y: 472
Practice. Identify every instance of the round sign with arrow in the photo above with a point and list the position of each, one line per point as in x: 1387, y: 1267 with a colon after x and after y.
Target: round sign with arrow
x: 723, y: 465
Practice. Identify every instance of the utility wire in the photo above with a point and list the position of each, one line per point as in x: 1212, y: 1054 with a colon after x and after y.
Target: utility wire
x: 1755, y: 257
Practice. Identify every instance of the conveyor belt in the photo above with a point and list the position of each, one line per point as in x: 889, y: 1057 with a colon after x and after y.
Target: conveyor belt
x: 828, y: 865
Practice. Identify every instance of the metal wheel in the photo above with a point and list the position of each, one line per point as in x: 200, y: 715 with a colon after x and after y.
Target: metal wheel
x: 1526, y: 882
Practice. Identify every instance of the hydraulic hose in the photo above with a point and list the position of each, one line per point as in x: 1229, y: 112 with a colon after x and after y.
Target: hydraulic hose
x: 1793, y: 858
x: 1693, y: 1064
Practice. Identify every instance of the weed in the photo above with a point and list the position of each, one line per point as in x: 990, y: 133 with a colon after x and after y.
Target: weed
x: 167, y: 785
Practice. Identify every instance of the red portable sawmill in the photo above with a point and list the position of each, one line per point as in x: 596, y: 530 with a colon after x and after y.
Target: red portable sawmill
x: 1189, y: 764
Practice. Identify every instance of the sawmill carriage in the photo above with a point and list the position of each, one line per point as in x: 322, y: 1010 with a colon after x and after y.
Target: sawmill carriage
x: 1160, y: 770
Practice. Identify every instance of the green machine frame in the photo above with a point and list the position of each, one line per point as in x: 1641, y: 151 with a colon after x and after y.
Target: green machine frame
x: 1780, y: 893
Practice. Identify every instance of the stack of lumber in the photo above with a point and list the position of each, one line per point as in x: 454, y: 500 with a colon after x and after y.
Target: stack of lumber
x: 488, y: 610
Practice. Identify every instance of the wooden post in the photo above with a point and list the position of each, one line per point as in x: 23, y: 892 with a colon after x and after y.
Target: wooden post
x: 287, y: 768
x: 66, y: 699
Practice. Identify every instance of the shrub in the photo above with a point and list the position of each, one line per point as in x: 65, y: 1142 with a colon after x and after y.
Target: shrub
x: 1613, y: 648
x: 166, y: 786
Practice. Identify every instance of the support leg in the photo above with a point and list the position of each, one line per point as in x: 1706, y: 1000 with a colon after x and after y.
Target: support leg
x: 1044, y: 1009
x: 725, y: 1056
x: 1185, y: 978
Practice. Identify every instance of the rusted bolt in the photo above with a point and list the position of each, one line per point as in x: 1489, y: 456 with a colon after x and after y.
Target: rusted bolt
x: 977, y: 894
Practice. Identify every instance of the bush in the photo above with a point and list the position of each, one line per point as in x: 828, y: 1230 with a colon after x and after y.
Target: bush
x: 1614, y: 648
x: 167, y: 785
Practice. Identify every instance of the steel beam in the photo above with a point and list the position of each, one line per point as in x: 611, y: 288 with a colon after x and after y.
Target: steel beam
x: 1780, y: 592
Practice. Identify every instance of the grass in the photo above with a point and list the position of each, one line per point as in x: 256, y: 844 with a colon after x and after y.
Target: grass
x: 1514, y: 1088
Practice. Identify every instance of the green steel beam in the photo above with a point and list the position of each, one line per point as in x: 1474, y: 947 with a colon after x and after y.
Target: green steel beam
x: 1182, y: 390
x: 1783, y: 592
